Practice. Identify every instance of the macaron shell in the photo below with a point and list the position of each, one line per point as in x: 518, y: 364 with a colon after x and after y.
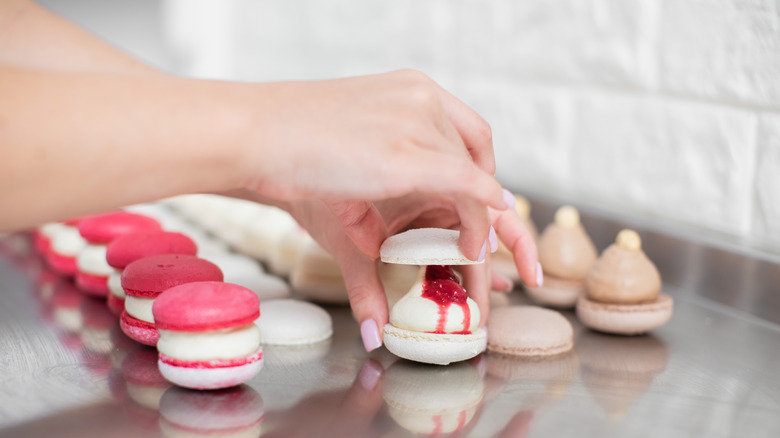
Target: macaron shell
x: 557, y: 293
x: 439, y: 349
x: 625, y: 319
x: 150, y: 276
x: 205, y: 305
x: 210, y: 378
x: 105, y: 227
x: 424, y: 246
x: 292, y: 322
x: 528, y: 331
x: 130, y: 247
x: 139, y: 331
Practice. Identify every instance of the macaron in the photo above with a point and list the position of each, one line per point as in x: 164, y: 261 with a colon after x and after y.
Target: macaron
x: 66, y: 244
x: 43, y: 236
x: 435, y: 322
x: 293, y: 322
x: 208, y: 338
x: 229, y: 413
x: 623, y: 291
x: 98, y: 231
x: 288, y: 250
x: 317, y: 276
x: 144, y: 385
x: 528, y: 331
x: 246, y: 271
x: 145, y: 279
x: 264, y: 233
x: 130, y: 247
x: 566, y: 254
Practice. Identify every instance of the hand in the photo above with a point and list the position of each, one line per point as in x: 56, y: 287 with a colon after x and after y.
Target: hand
x: 366, y: 293
x: 372, y: 138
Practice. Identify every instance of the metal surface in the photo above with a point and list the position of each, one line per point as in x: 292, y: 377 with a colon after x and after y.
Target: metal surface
x: 66, y: 370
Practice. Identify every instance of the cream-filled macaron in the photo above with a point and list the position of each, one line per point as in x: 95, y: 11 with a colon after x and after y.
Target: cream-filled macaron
x: 435, y: 322
x: 623, y: 291
x: 566, y: 254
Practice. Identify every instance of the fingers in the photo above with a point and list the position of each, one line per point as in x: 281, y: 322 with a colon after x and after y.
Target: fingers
x: 362, y: 223
x: 473, y: 129
x: 518, y: 239
x: 476, y: 282
x: 366, y: 295
x: 474, y: 229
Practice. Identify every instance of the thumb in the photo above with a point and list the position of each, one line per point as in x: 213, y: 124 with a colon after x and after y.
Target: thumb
x: 362, y: 223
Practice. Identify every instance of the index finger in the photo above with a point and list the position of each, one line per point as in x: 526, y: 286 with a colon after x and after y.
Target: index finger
x: 518, y: 239
x: 475, y: 131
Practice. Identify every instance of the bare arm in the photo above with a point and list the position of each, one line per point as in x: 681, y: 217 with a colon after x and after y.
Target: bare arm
x: 33, y: 37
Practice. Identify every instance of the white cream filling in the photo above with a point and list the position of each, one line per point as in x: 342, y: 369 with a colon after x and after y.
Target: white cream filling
x: 68, y: 241
x: 140, y: 308
x: 215, y: 344
x: 92, y: 260
x: 115, y: 284
x: 416, y: 313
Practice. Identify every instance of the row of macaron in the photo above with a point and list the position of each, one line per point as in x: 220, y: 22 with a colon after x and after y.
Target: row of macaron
x: 618, y: 291
x: 210, y: 337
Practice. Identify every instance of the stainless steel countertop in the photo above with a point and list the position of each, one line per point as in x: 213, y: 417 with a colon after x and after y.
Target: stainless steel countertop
x: 66, y: 369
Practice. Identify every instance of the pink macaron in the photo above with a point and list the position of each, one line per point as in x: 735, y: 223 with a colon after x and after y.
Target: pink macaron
x: 208, y: 339
x: 130, y: 247
x: 232, y: 412
x: 65, y: 243
x: 144, y: 279
x: 98, y: 231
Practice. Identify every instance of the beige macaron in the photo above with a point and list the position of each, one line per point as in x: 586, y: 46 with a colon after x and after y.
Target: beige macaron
x: 623, y: 291
x: 528, y: 331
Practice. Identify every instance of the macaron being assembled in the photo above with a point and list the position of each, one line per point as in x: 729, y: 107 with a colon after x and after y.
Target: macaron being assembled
x: 208, y: 339
x: 128, y: 248
x: 293, y: 322
x: 566, y: 254
x: 98, y: 231
x: 623, y: 291
x: 229, y: 413
x: 145, y: 279
x: 528, y: 331
x: 435, y: 322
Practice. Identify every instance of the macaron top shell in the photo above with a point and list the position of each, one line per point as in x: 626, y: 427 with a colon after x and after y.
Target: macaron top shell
x: 130, y: 247
x: 150, y: 276
x: 293, y: 322
x: 424, y: 246
x: 565, y: 249
x: 528, y: 330
x: 205, y: 306
x: 105, y: 227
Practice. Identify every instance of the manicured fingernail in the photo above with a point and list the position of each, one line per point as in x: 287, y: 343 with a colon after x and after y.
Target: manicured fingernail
x: 369, y: 375
x: 507, y: 283
x: 370, y: 335
x: 509, y: 199
x: 539, y: 275
x: 483, y: 252
x: 493, y: 240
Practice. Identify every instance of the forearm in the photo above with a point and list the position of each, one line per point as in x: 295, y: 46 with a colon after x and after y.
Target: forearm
x: 80, y: 143
x: 33, y: 37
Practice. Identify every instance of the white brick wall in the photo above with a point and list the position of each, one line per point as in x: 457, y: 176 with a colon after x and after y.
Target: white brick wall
x: 667, y: 109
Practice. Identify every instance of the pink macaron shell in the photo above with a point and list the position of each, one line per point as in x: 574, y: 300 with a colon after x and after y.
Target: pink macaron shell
x: 94, y: 285
x: 204, y: 306
x: 103, y: 228
x: 150, y: 276
x: 115, y: 304
x: 62, y: 264
x: 139, y: 331
x: 130, y: 247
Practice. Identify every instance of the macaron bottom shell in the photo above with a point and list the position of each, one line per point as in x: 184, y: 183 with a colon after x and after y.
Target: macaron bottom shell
x: 434, y: 348
x: 557, y: 293
x: 139, y: 331
x: 207, y: 375
x: 625, y: 319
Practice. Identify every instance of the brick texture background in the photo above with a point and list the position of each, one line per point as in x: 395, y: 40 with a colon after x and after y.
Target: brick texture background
x: 659, y: 109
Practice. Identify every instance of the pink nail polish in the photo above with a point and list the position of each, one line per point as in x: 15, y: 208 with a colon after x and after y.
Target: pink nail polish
x: 370, y: 335
x: 493, y: 240
x: 539, y: 275
x: 509, y: 199
x: 482, y: 252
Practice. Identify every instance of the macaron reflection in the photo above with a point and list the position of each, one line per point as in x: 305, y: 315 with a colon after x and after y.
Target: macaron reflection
x: 235, y: 412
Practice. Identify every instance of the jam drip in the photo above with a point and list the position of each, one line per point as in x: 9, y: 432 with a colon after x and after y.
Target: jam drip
x: 442, y: 286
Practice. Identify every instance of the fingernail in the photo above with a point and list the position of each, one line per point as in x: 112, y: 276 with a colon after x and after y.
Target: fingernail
x: 493, y: 240
x: 483, y: 252
x: 370, y: 335
x: 369, y: 375
x: 539, y: 275
x: 508, y: 284
x: 509, y: 199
